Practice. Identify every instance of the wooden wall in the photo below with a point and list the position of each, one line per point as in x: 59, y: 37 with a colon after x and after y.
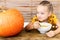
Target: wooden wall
x: 28, y: 7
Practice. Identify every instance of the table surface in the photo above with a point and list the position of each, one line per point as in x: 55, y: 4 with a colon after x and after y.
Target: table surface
x: 31, y: 35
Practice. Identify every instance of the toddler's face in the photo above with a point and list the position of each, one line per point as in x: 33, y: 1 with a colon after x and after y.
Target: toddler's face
x: 42, y: 12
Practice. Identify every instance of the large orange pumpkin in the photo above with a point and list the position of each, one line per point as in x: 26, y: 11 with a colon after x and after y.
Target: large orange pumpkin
x: 11, y: 22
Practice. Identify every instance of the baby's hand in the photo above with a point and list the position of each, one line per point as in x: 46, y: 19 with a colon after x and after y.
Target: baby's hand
x: 50, y: 34
x: 36, y: 25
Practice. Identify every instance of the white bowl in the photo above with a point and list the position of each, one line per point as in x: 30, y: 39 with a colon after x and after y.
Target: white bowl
x: 43, y: 29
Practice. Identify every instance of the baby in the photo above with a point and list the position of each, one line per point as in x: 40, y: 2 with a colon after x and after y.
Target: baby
x: 45, y: 14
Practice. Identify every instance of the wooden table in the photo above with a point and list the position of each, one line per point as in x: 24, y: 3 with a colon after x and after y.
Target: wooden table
x: 31, y: 35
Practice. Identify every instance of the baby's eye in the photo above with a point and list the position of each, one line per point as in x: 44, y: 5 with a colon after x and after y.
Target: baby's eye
x: 42, y: 13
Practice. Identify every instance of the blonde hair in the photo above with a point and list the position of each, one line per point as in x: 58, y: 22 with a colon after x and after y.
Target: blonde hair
x: 48, y: 4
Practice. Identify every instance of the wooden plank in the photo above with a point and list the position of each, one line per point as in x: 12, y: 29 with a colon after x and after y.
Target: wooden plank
x: 2, y: 4
x: 2, y: 0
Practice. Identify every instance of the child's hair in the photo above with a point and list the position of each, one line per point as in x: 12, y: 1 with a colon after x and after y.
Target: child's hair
x: 48, y: 4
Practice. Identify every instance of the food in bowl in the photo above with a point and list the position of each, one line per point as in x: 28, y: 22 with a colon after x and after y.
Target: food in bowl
x: 44, y: 27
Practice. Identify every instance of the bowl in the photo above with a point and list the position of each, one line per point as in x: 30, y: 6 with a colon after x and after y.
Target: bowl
x: 44, y: 27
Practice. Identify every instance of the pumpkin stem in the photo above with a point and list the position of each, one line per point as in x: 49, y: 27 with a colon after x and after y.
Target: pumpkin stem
x: 2, y: 8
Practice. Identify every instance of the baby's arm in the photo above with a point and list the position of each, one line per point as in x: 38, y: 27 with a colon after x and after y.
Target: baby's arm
x: 53, y: 33
x: 34, y: 25
x: 29, y: 26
